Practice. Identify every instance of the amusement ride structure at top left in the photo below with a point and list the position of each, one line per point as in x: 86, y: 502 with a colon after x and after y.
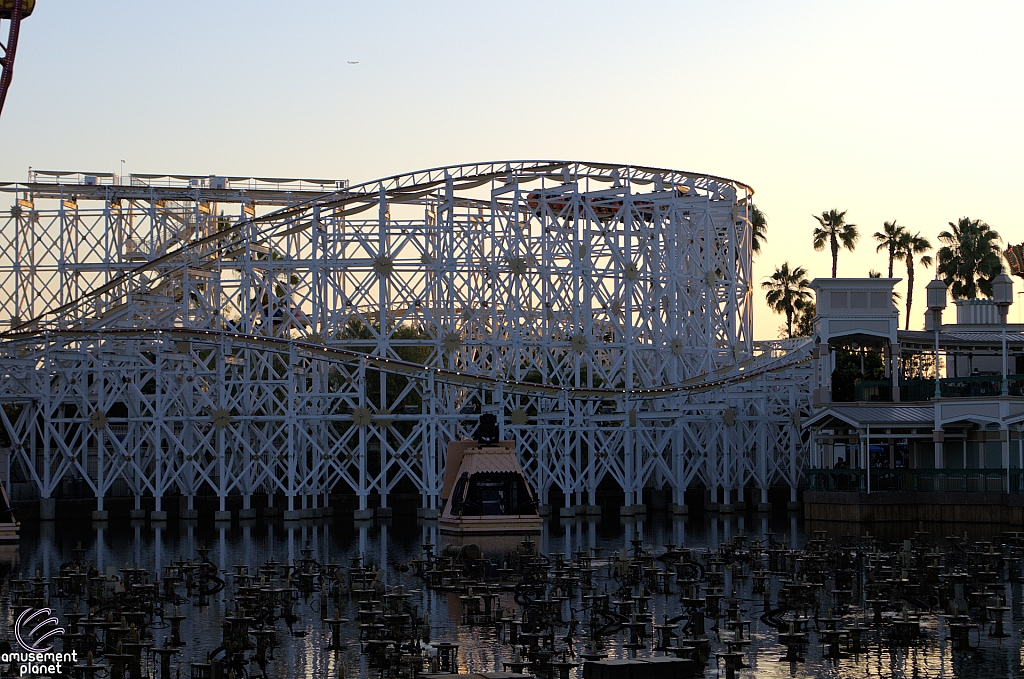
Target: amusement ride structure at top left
x: 283, y: 340
x: 11, y: 12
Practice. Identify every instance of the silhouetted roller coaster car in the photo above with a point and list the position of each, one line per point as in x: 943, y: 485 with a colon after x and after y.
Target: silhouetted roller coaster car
x: 604, y: 208
x: 7, y: 6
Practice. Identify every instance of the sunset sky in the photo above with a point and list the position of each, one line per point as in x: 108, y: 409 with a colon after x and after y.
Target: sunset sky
x: 905, y: 111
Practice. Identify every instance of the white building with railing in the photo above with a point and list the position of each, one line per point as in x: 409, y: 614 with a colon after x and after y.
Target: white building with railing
x: 886, y: 433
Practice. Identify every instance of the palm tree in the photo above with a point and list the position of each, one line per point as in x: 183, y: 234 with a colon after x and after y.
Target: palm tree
x: 908, y: 247
x: 788, y: 291
x: 803, y: 320
x: 969, y: 260
x: 758, y: 228
x: 835, y: 231
x: 889, y: 239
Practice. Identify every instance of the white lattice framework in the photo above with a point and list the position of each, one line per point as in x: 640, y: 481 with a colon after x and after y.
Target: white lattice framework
x: 221, y: 335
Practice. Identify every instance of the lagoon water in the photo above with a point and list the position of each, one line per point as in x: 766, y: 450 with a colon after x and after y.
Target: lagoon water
x: 394, y: 542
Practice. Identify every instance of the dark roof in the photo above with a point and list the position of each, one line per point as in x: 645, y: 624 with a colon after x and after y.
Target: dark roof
x: 958, y: 336
x: 888, y: 415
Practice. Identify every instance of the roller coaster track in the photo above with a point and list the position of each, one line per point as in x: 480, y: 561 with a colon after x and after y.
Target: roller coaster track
x: 399, y: 367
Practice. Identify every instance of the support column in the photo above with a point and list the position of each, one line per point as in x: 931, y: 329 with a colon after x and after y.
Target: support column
x: 678, y: 505
x: 430, y: 500
x: 630, y: 459
x: 822, y: 389
x: 158, y: 514
x: 938, y: 437
x: 222, y: 514
x: 247, y: 511
x: 99, y: 514
x: 762, y: 460
x: 137, y: 512
x: 187, y: 510
x: 828, y: 366
x: 1004, y: 444
x: 1020, y: 449
x: 363, y: 513
x: 47, y: 509
x: 794, y: 426
x: 894, y: 371
x: 866, y: 446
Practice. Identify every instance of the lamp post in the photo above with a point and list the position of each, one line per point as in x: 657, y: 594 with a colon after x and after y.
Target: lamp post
x: 1002, y: 295
x: 935, y: 293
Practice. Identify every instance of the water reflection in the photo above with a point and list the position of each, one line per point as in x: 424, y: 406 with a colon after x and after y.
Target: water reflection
x: 392, y: 543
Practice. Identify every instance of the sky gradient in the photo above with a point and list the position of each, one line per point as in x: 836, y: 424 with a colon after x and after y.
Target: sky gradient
x: 907, y: 111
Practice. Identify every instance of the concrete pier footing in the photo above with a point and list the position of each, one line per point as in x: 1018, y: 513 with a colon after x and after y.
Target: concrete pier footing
x: 47, y: 509
x: 176, y: 507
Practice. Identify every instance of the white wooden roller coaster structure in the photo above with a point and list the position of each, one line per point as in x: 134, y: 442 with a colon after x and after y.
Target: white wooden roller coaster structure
x: 184, y: 336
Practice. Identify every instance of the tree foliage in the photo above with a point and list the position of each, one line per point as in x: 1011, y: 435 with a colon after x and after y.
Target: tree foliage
x: 758, y: 228
x: 394, y: 385
x: 853, y: 365
x: 889, y: 240
x: 788, y: 290
x: 803, y: 321
x: 970, y: 258
x: 907, y: 249
x: 832, y: 230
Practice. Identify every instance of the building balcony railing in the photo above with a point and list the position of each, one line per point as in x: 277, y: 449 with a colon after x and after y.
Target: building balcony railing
x: 914, y: 480
x: 950, y: 387
x: 872, y: 390
x: 975, y: 385
x: 917, y: 390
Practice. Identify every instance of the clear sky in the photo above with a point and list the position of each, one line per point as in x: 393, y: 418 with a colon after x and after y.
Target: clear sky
x: 891, y: 110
